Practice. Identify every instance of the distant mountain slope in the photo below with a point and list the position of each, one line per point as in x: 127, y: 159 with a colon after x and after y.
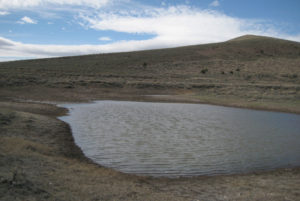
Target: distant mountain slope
x: 252, y: 37
x: 264, y: 46
x: 248, y: 67
x: 244, y: 47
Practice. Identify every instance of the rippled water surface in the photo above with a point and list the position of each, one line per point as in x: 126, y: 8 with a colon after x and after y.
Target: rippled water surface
x: 172, y: 139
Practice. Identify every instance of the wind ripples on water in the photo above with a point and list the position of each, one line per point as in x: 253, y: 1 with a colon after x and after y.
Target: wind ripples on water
x: 172, y: 139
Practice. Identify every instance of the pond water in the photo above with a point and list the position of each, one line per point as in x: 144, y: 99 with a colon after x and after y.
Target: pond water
x: 174, y: 139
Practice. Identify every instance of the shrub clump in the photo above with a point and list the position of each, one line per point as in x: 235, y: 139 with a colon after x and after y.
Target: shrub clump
x: 203, y: 71
x: 6, y: 119
x: 291, y: 76
x: 248, y: 77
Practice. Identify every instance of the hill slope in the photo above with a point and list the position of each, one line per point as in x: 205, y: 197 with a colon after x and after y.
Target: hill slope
x: 246, y: 71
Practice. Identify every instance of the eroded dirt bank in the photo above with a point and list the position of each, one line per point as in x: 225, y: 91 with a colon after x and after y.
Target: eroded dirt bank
x: 39, y: 161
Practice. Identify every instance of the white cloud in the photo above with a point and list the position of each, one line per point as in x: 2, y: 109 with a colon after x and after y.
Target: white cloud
x: 4, y: 13
x: 105, y: 38
x: 9, y: 48
x: 215, y: 3
x: 26, y: 20
x: 175, y: 26
x: 23, y: 4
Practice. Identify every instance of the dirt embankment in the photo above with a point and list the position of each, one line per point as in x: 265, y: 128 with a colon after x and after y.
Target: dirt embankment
x: 39, y: 161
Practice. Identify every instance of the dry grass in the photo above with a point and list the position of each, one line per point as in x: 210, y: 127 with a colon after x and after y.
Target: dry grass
x: 248, y: 69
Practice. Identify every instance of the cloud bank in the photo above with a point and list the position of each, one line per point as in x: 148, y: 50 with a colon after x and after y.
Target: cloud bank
x: 9, y: 48
x: 179, y: 25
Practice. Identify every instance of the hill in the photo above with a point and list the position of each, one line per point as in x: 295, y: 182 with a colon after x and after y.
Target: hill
x: 249, y: 71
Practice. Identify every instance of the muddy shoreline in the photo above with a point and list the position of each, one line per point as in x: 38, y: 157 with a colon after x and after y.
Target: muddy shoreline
x: 33, y: 137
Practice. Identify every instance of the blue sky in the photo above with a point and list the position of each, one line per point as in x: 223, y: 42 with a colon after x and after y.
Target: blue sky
x: 51, y: 28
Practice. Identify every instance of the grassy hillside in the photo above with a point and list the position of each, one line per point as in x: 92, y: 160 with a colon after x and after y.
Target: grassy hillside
x: 251, y: 71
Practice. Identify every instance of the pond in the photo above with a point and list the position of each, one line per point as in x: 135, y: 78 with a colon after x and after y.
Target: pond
x: 175, y: 139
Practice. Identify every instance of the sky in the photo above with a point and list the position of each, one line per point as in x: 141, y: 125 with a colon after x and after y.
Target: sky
x: 53, y: 28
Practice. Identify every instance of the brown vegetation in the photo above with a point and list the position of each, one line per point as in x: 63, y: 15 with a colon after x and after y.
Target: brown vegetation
x: 251, y: 71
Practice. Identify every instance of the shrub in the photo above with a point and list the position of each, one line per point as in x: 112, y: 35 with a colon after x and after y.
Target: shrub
x: 294, y: 76
x: 6, y: 119
x: 248, y: 77
x: 69, y: 86
x: 203, y: 71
